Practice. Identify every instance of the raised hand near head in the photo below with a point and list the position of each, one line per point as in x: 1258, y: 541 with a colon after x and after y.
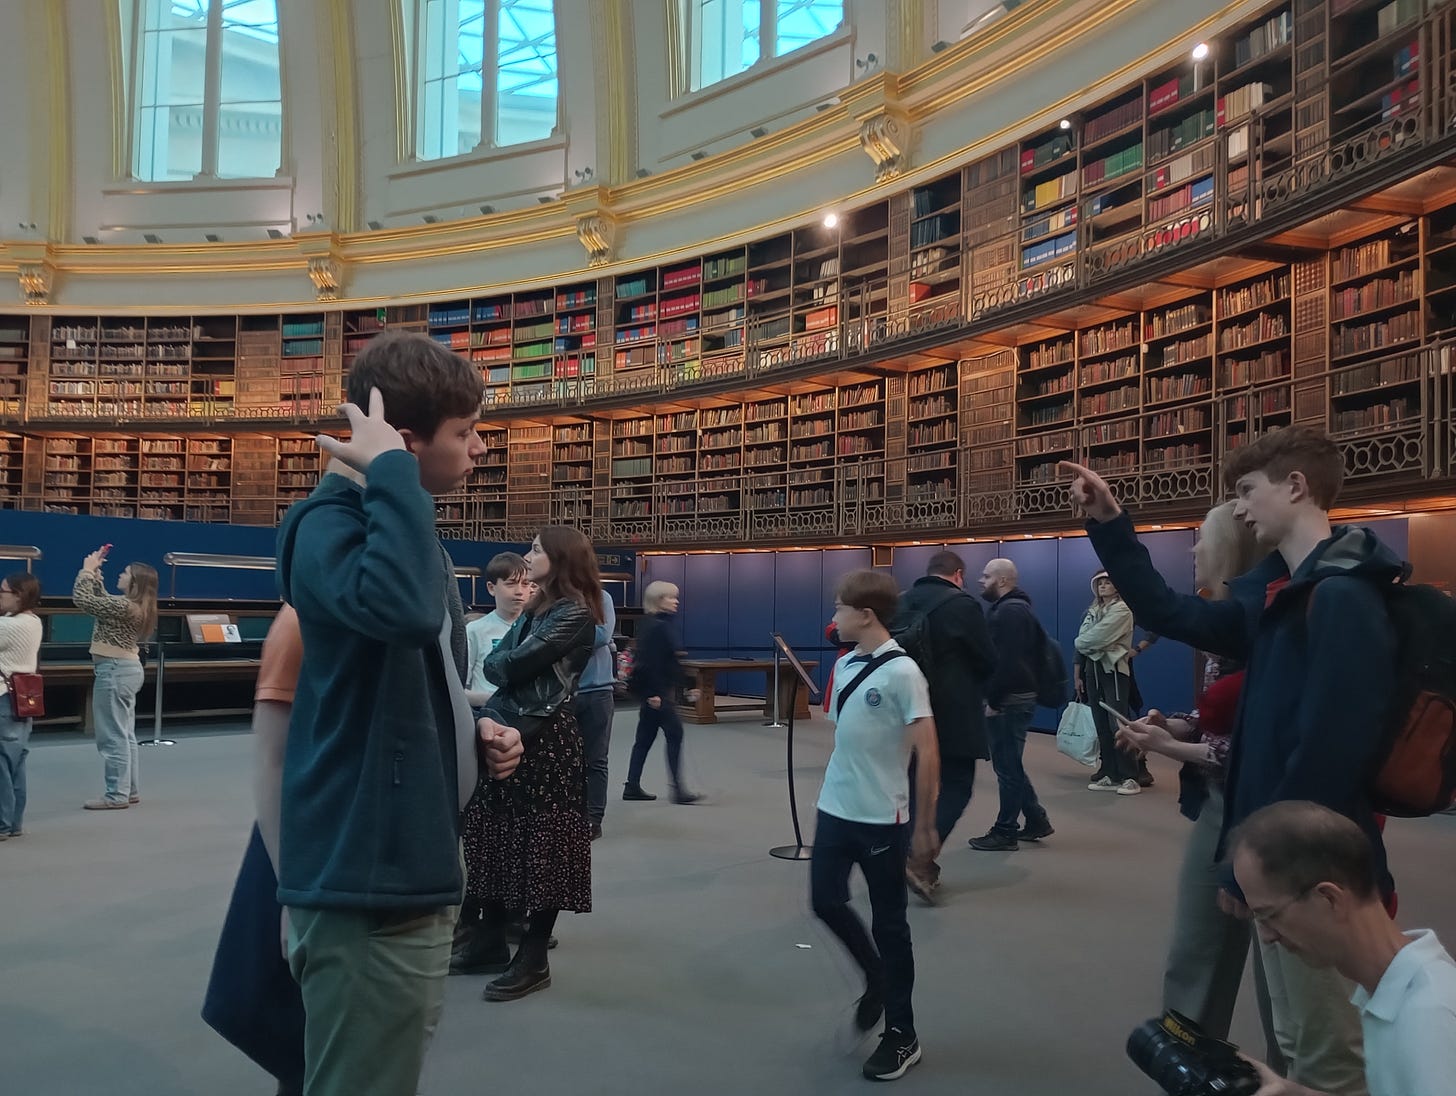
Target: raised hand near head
x: 369, y: 435
x: 1090, y: 492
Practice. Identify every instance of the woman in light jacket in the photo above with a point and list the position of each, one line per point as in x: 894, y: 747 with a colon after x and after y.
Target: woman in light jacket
x: 20, y: 635
x: 123, y: 621
x: 1104, y: 649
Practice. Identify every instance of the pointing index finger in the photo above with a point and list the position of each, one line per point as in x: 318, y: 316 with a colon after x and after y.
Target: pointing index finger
x: 376, y: 404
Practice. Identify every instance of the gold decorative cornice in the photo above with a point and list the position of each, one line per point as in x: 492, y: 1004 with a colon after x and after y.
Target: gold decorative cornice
x: 596, y: 225
x: 326, y: 268
x: 35, y: 282
x: 885, y: 129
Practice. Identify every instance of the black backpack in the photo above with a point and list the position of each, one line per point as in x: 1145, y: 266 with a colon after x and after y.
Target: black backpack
x: 1053, y: 685
x: 912, y: 631
x: 1047, y: 663
x: 1417, y: 771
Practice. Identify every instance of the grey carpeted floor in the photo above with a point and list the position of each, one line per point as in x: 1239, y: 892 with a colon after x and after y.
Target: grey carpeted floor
x: 693, y: 973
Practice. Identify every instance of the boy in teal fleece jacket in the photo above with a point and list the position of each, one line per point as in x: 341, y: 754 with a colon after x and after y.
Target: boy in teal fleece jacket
x: 382, y: 746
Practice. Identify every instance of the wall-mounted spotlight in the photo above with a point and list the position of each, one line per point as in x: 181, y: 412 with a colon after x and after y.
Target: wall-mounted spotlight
x: 212, y: 238
x: 699, y: 155
x: 759, y: 131
x: 429, y: 218
x: 151, y: 237
x: 1065, y: 123
x: 869, y: 63
x: 275, y: 234
x: 375, y: 226
x: 90, y: 240
x: 487, y: 210
x: 642, y: 173
x: 942, y: 44
x: 831, y: 220
x: 545, y: 199
x: 583, y: 174
x: 1200, y: 51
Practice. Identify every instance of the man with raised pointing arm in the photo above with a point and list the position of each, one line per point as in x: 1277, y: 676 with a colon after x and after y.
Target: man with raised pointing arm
x: 1311, y: 626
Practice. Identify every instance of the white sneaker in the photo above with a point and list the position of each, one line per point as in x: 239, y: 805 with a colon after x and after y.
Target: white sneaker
x: 1102, y: 784
x: 1129, y: 787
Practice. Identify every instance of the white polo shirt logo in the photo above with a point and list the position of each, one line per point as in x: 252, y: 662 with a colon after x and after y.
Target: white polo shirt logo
x: 873, y: 697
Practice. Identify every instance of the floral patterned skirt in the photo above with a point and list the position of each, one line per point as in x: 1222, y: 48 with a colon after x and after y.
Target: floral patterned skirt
x: 528, y: 838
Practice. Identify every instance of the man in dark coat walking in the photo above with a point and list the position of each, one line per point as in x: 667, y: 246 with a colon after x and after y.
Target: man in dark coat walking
x: 963, y: 659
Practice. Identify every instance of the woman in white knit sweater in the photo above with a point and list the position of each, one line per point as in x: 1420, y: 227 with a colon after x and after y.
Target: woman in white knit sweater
x: 20, y: 635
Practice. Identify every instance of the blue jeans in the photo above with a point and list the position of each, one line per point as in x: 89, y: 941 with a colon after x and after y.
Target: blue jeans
x: 888, y: 962
x: 113, y: 706
x: 14, y: 748
x: 1007, y: 732
x: 594, y: 711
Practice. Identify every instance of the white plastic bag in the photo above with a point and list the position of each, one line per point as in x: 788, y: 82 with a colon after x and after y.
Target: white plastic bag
x: 1077, y: 735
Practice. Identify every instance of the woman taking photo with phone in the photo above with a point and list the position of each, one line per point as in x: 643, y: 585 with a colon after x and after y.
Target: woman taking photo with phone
x: 123, y: 621
x: 20, y: 636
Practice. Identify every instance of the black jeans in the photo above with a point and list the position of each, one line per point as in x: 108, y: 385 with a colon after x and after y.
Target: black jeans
x: 594, y: 718
x: 880, y: 851
x: 1007, y: 731
x: 957, y: 780
x: 649, y: 721
x: 1102, y: 685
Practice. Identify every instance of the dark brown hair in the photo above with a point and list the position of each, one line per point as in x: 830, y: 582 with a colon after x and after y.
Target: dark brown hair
x: 1300, y: 845
x: 504, y: 565
x: 872, y: 590
x: 945, y: 564
x: 26, y: 588
x: 574, y: 572
x: 1304, y: 449
x: 422, y: 382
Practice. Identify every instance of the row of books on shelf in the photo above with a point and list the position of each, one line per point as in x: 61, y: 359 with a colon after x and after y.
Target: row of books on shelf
x: 1348, y: 340
x: 1110, y: 167
x: 1112, y: 121
x: 1057, y: 146
x: 1047, y: 250
x: 1374, y: 294
x: 932, y: 229
x: 1242, y: 102
x: 1062, y: 218
x: 1049, y: 192
x: 1266, y: 38
x: 1187, y: 131
x: 1197, y: 193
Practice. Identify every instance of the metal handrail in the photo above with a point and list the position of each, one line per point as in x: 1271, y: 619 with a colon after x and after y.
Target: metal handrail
x: 28, y: 552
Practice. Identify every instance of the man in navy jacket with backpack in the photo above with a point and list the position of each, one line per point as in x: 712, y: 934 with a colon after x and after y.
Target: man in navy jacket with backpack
x: 1311, y: 624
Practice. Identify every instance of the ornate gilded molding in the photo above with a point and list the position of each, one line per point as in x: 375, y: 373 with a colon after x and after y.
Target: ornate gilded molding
x: 327, y: 275
x: 598, y: 234
x: 36, y: 281
x: 885, y: 137
x: 327, y: 270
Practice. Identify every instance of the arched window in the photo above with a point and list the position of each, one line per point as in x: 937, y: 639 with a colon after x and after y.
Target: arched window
x: 726, y: 37
x: 463, y: 101
x: 204, y: 88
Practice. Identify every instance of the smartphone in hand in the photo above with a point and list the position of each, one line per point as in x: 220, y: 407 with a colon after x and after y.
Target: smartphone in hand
x: 1110, y: 710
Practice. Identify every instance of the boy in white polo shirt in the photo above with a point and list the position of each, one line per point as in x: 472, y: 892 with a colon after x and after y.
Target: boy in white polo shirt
x: 881, y: 710
x: 507, y: 584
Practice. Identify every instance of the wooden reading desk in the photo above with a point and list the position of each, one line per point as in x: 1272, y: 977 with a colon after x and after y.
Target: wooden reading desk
x: 706, y: 671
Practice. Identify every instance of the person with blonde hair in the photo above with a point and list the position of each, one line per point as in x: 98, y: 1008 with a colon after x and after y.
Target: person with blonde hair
x: 1207, y: 955
x: 657, y: 676
x: 123, y: 621
x: 1103, y: 676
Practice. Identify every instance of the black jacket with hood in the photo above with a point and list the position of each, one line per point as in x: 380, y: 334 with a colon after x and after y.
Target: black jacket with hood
x: 964, y: 660
x: 1016, y: 635
x: 1320, y: 655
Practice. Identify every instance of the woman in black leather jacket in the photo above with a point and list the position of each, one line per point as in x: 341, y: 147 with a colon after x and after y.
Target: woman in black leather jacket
x: 528, y: 837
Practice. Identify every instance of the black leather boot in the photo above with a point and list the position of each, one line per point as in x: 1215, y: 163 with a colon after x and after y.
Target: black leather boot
x: 529, y: 971
x: 479, y: 948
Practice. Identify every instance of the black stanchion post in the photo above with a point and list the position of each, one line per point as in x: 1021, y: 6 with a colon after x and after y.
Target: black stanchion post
x: 798, y: 850
x: 157, y: 739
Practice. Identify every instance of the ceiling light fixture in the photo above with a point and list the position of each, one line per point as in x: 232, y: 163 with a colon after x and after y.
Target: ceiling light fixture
x: 1200, y: 51
x: 831, y: 220
x: 1065, y: 123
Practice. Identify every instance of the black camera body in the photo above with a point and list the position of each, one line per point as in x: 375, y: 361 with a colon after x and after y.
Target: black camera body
x: 1179, y: 1057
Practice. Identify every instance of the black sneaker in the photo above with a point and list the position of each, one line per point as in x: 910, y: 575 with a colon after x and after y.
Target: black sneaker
x: 994, y: 841
x: 1144, y: 778
x: 633, y: 793
x: 897, y: 1053
x: 596, y: 831
x: 1035, y: 831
